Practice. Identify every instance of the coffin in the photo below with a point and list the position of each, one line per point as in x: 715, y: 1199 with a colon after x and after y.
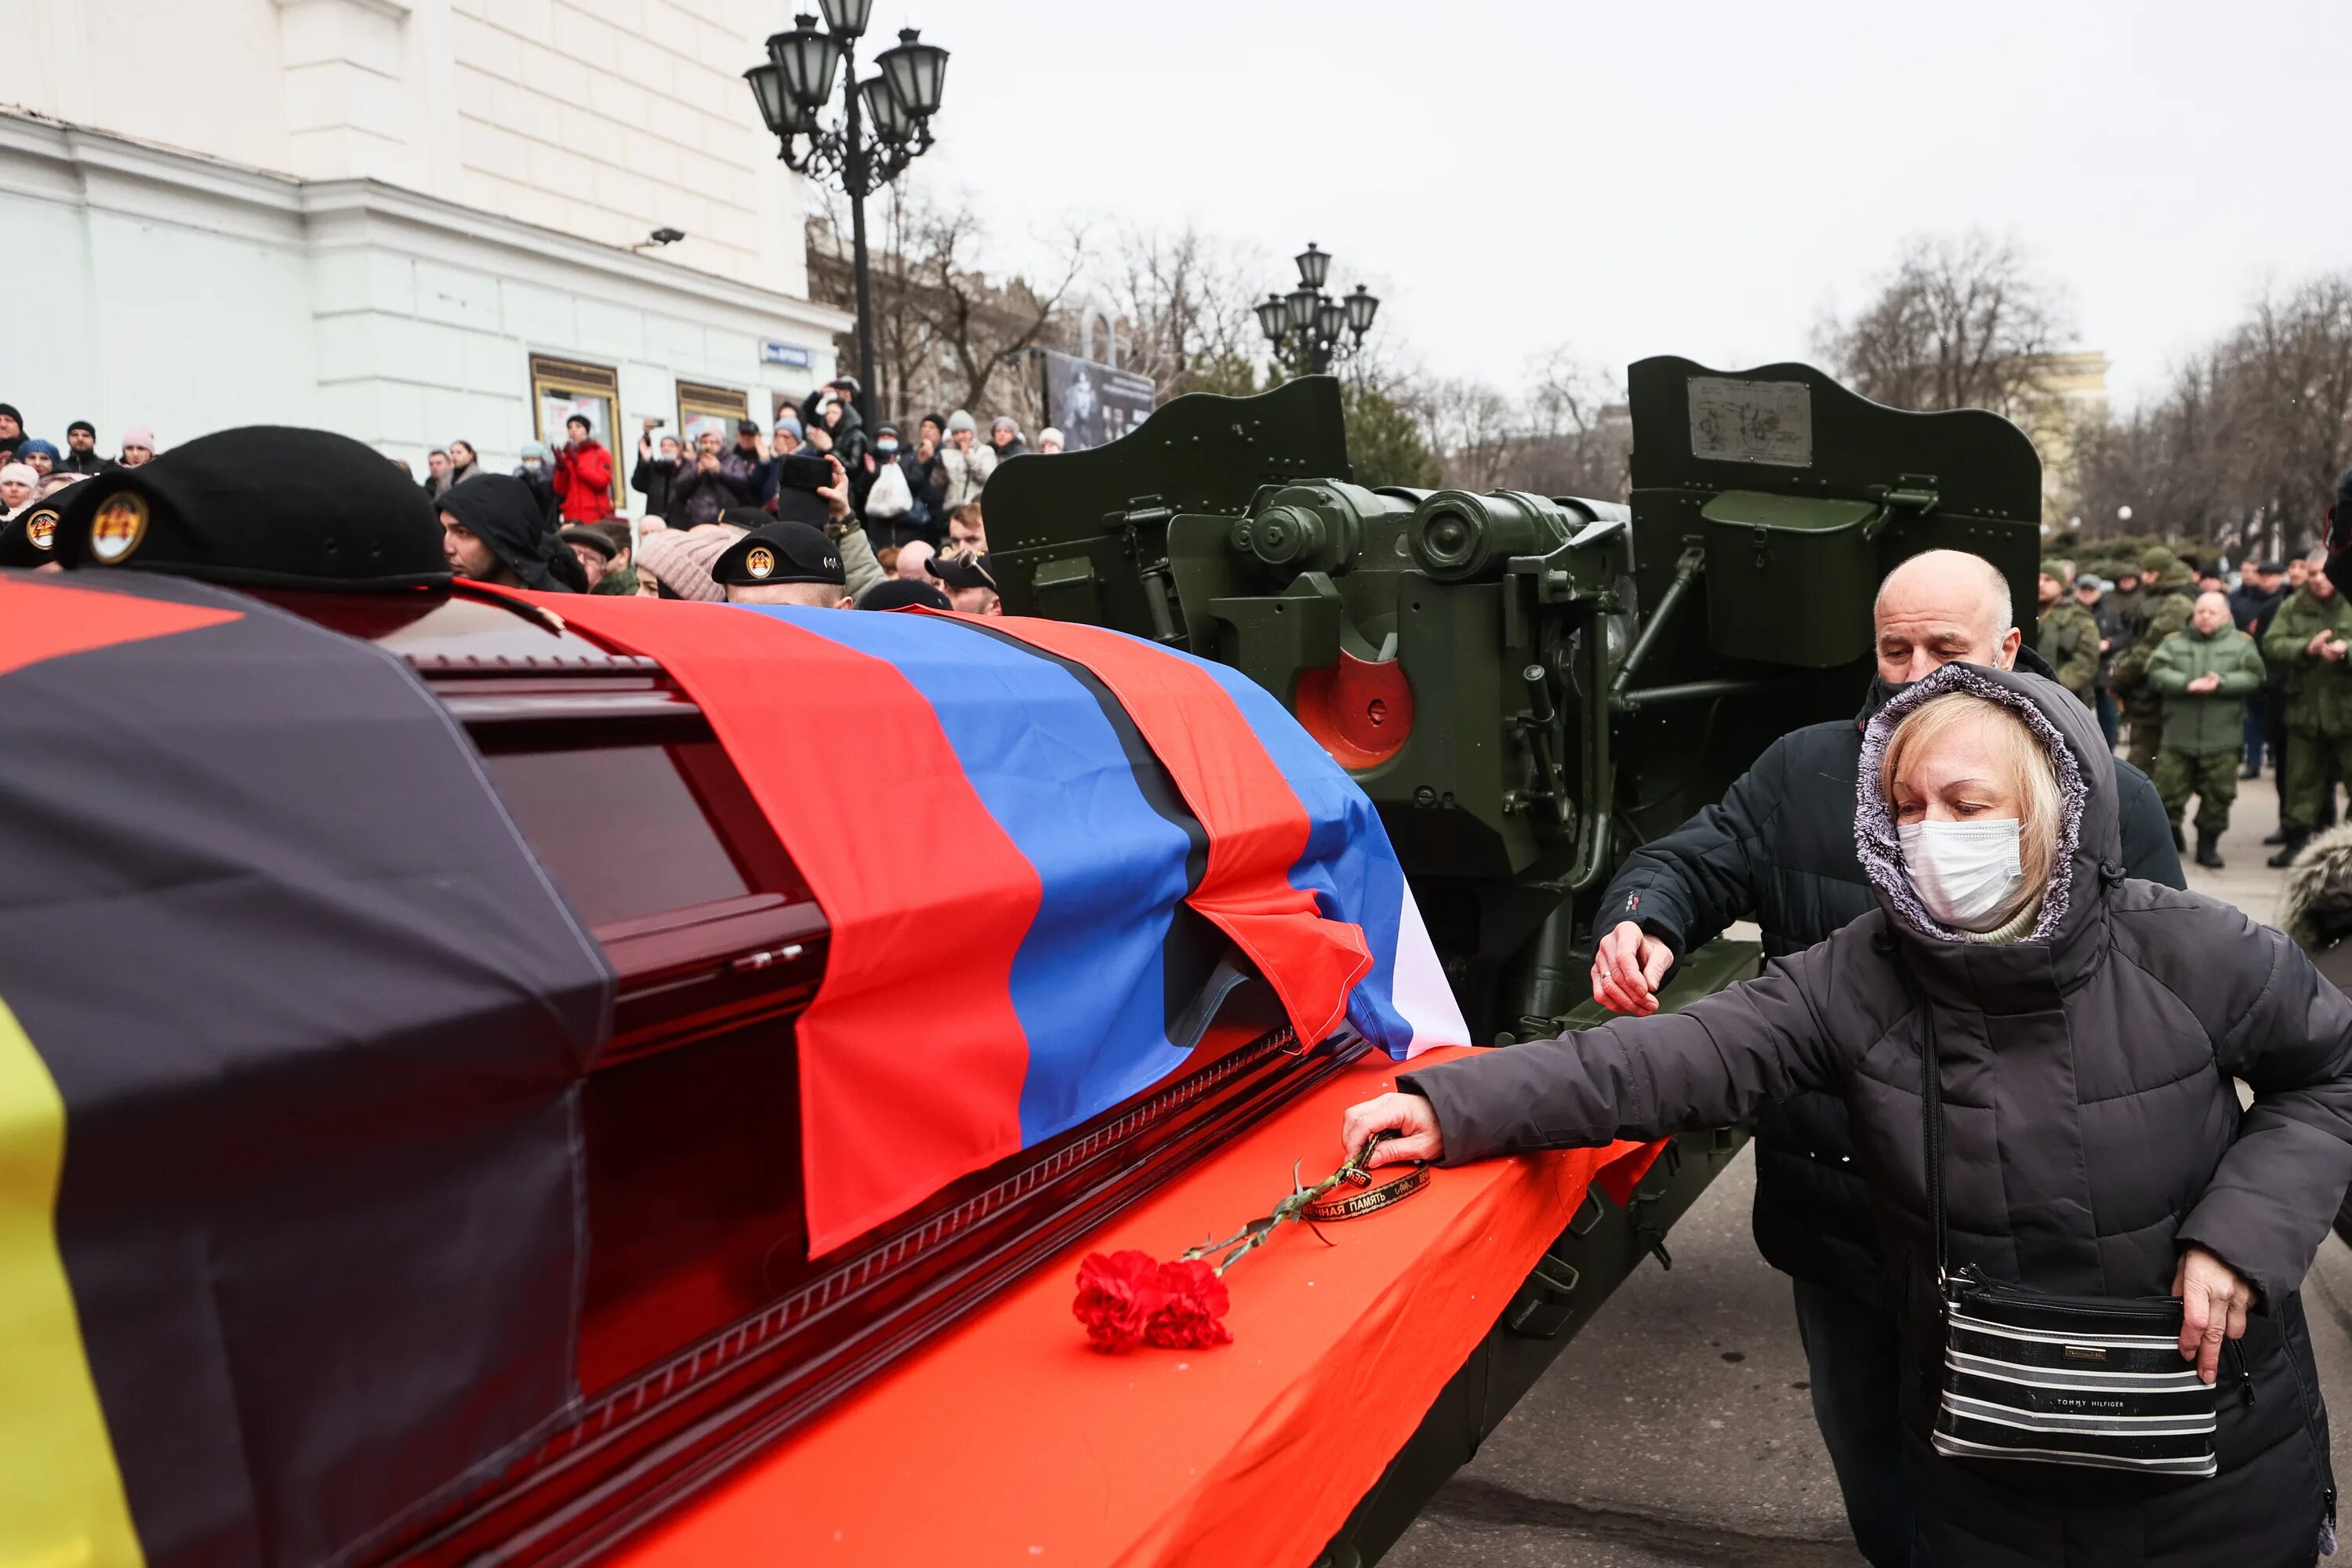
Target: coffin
x: 708, y: 1323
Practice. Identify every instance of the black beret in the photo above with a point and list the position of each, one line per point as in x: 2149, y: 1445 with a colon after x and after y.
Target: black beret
x: 780, y: 552
x: 265, y: 505
x: 30, y: 538
x: 903, y: 593
x: 961, y: 571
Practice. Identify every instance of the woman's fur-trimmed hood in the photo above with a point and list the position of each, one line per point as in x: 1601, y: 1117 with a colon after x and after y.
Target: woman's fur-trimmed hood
x: 2089, y: 835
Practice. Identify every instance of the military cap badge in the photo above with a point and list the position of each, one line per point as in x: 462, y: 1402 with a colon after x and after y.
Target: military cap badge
x: 117, y: 529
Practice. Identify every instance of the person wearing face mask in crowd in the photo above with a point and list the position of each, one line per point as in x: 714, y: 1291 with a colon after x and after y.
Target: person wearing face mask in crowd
x: 2080, y: 1030
x: 1780, y: 850
x: 893, y: 509
x: 655, y: 473
x: 537, y: 472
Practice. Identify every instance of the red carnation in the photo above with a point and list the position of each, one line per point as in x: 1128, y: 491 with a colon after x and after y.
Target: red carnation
x: 1192, y: 1313
x: 1118, y: 1295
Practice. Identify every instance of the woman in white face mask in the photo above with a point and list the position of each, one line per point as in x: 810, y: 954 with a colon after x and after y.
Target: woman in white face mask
x: 2079, y: 1032
x: 1976, y: 812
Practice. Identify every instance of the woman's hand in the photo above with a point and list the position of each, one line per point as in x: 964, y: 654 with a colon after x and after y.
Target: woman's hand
x: 1409, y: 1115
x: 2213, y: 1302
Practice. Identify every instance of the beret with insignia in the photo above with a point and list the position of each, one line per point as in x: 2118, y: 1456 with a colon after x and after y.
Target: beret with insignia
x: 780, y: 552
x: 266, y: 506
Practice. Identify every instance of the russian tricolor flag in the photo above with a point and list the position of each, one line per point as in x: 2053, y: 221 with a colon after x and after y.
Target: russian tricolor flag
x: 1034, y: 842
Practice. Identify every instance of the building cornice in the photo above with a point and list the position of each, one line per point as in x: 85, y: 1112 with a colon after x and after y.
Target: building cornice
x: 49, y: 160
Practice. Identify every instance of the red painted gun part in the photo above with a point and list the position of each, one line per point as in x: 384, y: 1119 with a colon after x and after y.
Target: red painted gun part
x: 1359, y: 710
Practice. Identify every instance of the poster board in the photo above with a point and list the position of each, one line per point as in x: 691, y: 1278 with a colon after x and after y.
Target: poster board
x: 701, y: 406
x: 1092, y: 403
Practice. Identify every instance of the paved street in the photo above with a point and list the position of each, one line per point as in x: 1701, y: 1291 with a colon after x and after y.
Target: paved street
x: 1708, y: 1455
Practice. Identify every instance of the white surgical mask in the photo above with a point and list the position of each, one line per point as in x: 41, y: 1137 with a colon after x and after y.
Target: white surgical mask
x: 1966, y: 873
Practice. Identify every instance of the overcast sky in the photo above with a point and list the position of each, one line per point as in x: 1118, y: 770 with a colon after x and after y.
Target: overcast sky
x: 1701, y: 177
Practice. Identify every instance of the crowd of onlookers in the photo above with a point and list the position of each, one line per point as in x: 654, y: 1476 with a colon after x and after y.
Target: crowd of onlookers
x: 914, y: 505
x: 2202, y: 674
x: 895, y: 504
x: 32, y: 469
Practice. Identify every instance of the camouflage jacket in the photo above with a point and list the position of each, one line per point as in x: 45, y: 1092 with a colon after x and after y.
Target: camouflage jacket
x: 2068, y: 641
x: 2164, y: 613
x: 2203, y: 722
x: 2318, y: 692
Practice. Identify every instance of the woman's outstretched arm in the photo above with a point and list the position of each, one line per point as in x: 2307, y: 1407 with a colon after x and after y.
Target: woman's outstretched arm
x: 1718, y: 1060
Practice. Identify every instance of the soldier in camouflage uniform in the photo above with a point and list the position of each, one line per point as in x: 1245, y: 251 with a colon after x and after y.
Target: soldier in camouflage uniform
x: 2205, y: 675
x: 2310, y: 638
x: 2166, y: 601
x: 2068, y: 640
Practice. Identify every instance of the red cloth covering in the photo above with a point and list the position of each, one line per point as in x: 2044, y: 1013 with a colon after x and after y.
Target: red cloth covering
x: 880, y: 1128
x: 1009, y: 1441
x: 1257, y: 830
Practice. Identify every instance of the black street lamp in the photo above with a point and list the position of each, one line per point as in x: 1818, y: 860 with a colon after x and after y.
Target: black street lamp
x: 794, y: 85
x: 1308, y: 328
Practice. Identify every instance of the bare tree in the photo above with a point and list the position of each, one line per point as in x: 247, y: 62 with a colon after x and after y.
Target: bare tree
x: 1961, y: 323
x: 1184, y: 308
x: 946, y: 334
x: 2245, y: 447
x: 1567, y: 433
x: 1477, y: 430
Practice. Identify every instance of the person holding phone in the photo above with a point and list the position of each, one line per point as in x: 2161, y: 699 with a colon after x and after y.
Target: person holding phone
x: 656, y: 475
x: 584, y: 474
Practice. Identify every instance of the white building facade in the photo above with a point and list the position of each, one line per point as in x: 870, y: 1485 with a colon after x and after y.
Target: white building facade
x: 410, y: 221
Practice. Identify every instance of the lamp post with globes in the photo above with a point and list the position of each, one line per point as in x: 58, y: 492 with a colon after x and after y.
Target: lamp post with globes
x: 794, y: 85
x: 1308, y: 328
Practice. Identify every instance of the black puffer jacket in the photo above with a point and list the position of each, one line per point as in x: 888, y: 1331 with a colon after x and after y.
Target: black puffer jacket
x: 2091, y: 1130
x: 1780, y: 850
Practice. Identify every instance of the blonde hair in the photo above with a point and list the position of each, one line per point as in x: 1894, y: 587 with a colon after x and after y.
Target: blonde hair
x: 2022, y: 760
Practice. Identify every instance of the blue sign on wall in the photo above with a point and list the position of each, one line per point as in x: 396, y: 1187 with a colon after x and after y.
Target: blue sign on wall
x: 774, y: 353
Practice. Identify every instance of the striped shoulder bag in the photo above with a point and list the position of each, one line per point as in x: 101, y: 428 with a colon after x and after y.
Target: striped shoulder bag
x: 2094, y: 1381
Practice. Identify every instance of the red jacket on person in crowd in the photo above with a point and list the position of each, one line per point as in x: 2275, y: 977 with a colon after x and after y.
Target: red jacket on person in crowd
x: 584, y: 481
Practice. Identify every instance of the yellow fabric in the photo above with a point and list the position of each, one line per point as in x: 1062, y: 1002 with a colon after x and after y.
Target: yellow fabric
x: 61, y: 1498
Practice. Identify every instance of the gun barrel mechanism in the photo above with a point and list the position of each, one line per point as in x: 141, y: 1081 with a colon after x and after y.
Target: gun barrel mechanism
x: 1527, y: 686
